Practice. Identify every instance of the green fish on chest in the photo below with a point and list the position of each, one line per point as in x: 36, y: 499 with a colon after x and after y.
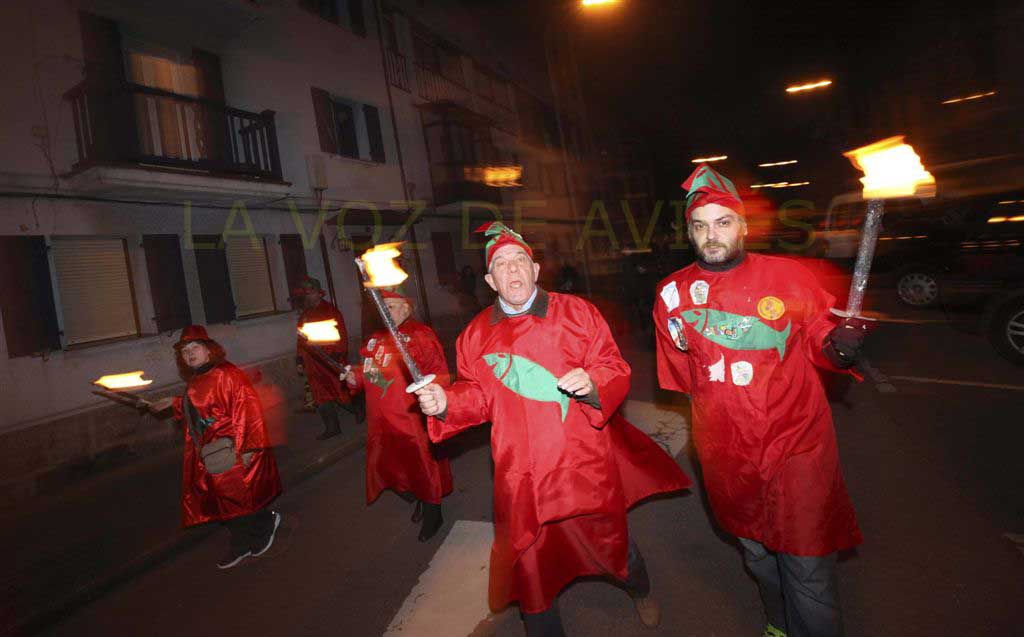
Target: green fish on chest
x: 527, y: 379
x: 738, y: 332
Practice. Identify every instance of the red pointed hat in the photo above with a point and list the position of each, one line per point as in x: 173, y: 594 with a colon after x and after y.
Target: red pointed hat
x: 191, y: 334
x: 501, y: 235
x: 706, y: 185
x: 395, y: 294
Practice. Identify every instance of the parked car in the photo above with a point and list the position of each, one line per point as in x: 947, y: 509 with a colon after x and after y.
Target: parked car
x: 1004, y: 322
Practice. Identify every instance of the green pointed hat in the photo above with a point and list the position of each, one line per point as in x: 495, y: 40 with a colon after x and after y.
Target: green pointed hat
x: 501, y: 235
x: 706, y: 185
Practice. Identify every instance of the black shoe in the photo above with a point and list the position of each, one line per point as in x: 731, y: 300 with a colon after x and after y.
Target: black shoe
x: 431, y: 525
x: 270, y: 540
x: 417, y: 512
x: 330, y: 433
x: 232, y: 558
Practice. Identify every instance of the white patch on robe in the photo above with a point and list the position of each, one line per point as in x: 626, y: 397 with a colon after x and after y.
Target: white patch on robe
x: 670, y: 296
x: 742, y: 373
x: 716, y: 372
x: 699, y: 292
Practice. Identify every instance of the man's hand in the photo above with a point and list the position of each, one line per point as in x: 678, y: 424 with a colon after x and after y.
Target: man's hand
x: 348, y: 376
x: 577, y: 383
x: 843, y: 343
x: 300, y: 369
x: 433, y: 399
x: 160, y: 405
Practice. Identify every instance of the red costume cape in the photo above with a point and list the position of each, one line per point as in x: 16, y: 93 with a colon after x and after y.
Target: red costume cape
x: 565, y: 472
x: 324, y: 382
x: 398, y: 451
x: 227, y: 404
x: 761, y: 424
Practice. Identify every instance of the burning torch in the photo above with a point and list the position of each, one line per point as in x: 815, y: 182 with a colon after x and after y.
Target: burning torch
x: 891, y: 169
x: 378, y: 269
x: 115, y: 387
x: 322, y: 332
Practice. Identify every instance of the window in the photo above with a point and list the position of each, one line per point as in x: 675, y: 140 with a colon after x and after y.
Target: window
x: 444, y: 257
x: 96, y: 298
x: 294, y: 256
x: 26, y: 297
x: 166, y: 281
x: 348, y: 128
x: 250, y: 276
x: 214, y: 280
x: 347, y: 13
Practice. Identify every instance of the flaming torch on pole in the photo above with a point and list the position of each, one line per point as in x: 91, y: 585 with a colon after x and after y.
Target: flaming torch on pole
x: 891, y: 170
x: 114, y: 387
x: 378, y: 269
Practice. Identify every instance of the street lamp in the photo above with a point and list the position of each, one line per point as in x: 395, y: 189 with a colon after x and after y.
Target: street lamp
x: 891, y: 169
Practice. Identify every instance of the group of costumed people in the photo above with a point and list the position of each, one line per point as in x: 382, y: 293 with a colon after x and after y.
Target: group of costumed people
x: 742, y: 334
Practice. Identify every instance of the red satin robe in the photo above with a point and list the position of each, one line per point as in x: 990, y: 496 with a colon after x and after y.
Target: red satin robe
x: 225, y: 400
x: 761, y: 423
x: 398, y: 452
x: 563, y: 480
x: 324, y: 382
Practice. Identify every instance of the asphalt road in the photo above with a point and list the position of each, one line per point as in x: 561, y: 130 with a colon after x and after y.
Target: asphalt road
x: 934, y: 469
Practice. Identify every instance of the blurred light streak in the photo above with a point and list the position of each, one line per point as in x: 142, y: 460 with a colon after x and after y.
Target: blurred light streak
x: 597, y: 3
x: 997, y: 219
x: 976, y: 96
x: 782, y: 184
x: 777, y: 163
x: 808, y: 87
x: 702, y: 160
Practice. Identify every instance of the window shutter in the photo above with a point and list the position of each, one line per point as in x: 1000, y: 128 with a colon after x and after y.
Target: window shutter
x: 294, y: 256
x: 26, y: 297
x: 250, y: 276
x: 356, y: 19
x: 214, y: 280
x: 167, y: 281
x: 211, y: 120
x: 372, y: 117
x: 95, y: 289
x: 325, y: 126
x: 345, y: 122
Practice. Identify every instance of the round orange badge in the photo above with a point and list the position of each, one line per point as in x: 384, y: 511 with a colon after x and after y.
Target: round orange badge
x: 771, y: 308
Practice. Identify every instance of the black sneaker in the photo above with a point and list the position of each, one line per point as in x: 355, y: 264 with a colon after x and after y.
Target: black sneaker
x: 270, y: 540
x: 232, y: 559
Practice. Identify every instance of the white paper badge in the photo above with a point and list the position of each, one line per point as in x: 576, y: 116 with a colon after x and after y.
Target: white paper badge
x: 387, y: 361
x: 742, y: 373
x: 716, y: 372
x: 371, y: 344
x: 699, y: 292
x: 670, y: 296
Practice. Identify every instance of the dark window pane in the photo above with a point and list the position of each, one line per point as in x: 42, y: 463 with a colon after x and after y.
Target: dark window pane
x: 26, y: 297
x: 356, y: 20
x: 372, y: 117
x: 214, y: 278
x: 345, y: 129
x: 167, y: 281
x: 444, y: 257
x: 294, y: 255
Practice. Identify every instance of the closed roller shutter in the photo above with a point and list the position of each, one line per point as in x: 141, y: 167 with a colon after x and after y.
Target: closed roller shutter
x: 95, y: 289
x: 250, y: 276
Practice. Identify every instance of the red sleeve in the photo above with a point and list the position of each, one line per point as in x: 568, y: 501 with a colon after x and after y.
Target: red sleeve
x: 607, y: 369
x: 467, y: 405
x: 819, y: 322
x: 246, y: 413
x: 179, y: 407
x: 430, y: 356
x: 675, y: 367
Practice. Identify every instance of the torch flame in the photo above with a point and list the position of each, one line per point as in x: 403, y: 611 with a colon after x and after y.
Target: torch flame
x: 381, y: 268
x: 321, y: 331
x: 892, y: 169
x: 122, y: 381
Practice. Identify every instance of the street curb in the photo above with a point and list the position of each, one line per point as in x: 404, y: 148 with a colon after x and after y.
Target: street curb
x: 181, y: 542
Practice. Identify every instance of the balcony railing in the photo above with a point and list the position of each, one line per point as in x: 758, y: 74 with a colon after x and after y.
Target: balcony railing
x: 135, y: 124
x: 434, y: 87
x: 398, y: 72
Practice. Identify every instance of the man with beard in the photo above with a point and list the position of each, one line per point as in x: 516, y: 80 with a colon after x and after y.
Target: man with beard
x: 543, y: 369
x: 399, y: 454
x: 744, y: 334
x: 329, y: 393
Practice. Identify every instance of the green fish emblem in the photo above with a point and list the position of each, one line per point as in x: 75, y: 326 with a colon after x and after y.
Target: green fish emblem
x: 528, y: 379
x: 737, y: 332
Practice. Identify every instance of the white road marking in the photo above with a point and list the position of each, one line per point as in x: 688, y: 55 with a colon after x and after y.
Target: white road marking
x: 667, y: 428
x: 963, y: 383
x: 451, y: 595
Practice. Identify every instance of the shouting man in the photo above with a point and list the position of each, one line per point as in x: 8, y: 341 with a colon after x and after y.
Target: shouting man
x: 543, y: 369
x: 744, y: 334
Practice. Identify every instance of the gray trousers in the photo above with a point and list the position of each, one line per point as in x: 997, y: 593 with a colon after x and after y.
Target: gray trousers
x: 799, y: 593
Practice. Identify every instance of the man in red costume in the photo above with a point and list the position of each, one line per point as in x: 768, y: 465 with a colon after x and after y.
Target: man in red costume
x: 543, y: 369
x: 229, y: 473
x: 399, y: 454
x: 329, y: 393
x: 744, y: 335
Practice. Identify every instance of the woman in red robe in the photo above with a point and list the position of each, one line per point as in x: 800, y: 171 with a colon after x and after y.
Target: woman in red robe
x: 399, y: 454
x: 229, y: 473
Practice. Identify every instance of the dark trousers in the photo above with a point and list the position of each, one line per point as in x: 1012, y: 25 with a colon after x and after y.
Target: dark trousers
x: 330, y: 413
x: 250, y: 532
x: 548, y: 623
x: 799, y: 593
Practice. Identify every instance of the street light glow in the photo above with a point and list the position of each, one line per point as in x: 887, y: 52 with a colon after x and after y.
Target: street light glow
x: 808, y: 87
x: 704, y: 160
x: 777, y: 163
x: 891, y: 169
x: 976, y: 96
x: 597, y: 3
x: 782, y: 184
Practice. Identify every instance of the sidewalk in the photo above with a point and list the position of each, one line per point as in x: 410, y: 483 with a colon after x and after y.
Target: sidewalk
x: 64, y: 551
